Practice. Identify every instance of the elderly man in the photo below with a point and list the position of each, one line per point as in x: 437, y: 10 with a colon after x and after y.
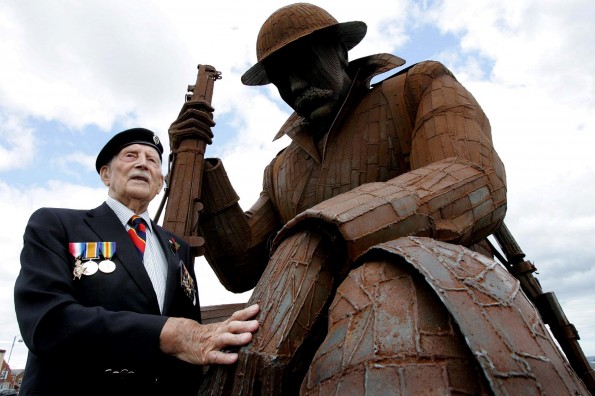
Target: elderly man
x: 106, y: 299
x: 361, y: 293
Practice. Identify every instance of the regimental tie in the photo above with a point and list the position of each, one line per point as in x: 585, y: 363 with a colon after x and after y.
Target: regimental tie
x: 138, y: 234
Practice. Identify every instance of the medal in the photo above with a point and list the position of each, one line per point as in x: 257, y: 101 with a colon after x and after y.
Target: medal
x: 78, y: 268
x: 187, y: 283
x: 107, y: 266
x: 90, y: 267
x: 91, y: 252
x: 86, y: 252
x: 107, y: 250
x: 77, y: 250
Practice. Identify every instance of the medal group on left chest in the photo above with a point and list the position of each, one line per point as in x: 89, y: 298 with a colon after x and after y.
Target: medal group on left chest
x: 87, y: 255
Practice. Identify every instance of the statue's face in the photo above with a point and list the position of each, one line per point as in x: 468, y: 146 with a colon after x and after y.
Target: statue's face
x: 311, y: 77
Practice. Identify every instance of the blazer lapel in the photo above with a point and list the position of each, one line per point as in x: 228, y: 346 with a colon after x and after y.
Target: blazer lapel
x: 173, y: 267
x: 109, y: 228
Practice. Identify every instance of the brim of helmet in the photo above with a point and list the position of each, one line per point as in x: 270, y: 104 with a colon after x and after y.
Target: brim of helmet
x: 350, y: 33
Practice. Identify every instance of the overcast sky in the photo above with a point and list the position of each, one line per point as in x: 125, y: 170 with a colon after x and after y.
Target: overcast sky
x: 75, y: 73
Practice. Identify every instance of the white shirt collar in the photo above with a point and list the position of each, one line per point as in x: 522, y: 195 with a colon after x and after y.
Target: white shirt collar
x: 124, y: 214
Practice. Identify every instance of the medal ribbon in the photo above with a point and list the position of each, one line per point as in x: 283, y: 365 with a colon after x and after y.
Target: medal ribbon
x: 92, y: 250
x: 107, y: 249
x: 77, y: 249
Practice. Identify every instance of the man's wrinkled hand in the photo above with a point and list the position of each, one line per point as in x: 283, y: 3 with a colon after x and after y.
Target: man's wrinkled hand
x: 205, y: 344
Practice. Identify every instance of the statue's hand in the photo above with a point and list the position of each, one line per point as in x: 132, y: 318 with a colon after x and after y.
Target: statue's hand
x: 195, y: 119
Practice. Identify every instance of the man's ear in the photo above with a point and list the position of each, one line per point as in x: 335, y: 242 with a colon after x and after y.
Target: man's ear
x: 104, y: 174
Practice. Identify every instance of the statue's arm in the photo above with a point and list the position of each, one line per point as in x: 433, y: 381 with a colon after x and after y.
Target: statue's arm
x: 455, y: 190
x: 452, y: 141
x: 237, y: 242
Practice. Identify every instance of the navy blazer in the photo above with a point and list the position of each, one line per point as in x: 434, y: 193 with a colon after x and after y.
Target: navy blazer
x: 98, y: 334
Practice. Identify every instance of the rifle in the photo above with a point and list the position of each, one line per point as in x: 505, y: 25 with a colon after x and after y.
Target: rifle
x: 547, y: 304
x: 186, y: 162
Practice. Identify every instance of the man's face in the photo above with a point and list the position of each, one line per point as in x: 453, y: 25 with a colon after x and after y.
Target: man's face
x: 311, y: 77
x: 134, y: 175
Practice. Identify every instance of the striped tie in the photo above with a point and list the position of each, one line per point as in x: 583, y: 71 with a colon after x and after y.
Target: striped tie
x: 138, y: 234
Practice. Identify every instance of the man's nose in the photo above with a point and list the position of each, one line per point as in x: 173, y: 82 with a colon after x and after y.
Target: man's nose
x: 142, y: 162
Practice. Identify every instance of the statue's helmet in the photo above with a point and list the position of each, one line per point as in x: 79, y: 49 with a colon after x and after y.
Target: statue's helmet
x: 294, y: 22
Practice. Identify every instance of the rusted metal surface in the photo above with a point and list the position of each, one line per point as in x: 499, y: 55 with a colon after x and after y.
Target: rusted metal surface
x: 390, y: 335
x: 387, y: 327
x: 294, y: 293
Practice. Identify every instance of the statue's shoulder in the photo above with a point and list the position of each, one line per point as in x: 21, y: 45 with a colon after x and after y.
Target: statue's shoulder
x: 430, y: 68
x: 417, y: 76
x: 415, y: 79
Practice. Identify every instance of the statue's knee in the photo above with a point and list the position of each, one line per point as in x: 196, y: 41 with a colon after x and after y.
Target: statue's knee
x: 385, y: 315
x: 389, y: 301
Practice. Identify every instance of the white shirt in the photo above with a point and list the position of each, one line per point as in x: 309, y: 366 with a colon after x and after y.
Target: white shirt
x: 154, y: 258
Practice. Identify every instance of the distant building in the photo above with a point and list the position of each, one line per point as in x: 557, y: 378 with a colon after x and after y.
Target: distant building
x: 17, y: 378
x: 9, y: 379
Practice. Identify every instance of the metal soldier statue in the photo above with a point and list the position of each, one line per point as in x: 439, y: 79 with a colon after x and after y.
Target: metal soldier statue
x: 371, y: 231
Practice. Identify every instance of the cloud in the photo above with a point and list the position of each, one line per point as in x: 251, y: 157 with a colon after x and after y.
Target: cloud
x: 88, y: 63
x: 531, y: 43
x: 17, y: 143
x: 75, y: 163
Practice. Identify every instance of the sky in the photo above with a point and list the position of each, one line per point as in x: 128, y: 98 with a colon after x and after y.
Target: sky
x: 75, y: 73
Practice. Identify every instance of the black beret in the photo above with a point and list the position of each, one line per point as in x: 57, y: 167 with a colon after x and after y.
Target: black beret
x: 126, y: 138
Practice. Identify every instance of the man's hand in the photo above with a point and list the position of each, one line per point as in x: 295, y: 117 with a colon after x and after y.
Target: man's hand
x: 203, y: 344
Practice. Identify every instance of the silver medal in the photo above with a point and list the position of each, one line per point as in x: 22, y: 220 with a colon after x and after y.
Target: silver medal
x: 90, y: 267
x: 107, y: 266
